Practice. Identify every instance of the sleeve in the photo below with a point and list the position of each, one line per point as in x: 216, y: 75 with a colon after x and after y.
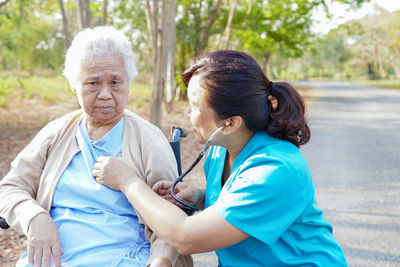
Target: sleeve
x: 263, y: 200
x: 160, y: 164
x: 19, y: 187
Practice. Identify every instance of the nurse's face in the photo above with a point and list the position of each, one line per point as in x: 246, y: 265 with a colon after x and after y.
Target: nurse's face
x: 203, y: 118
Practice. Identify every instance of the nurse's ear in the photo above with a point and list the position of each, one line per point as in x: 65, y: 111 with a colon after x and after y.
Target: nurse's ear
x: 232, y: 125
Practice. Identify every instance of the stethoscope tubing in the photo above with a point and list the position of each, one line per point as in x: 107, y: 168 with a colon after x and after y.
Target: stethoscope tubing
x: 180, y: 178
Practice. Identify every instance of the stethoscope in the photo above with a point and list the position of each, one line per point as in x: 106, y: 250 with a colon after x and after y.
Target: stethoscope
x: 187, y: 207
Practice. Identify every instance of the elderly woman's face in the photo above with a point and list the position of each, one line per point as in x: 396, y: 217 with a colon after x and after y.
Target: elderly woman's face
x: 103, y: 89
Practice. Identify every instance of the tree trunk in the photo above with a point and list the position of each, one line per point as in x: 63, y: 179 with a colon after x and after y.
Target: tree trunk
x: 206, y: 33
x: 273, y: 76
x: 225, y: 37
x: 21, y: 10
x: 88, y: 16
x: 79, y: 9
x: 170, y: 50
x: 182, y: 64
x: 83, y: 13
x: 151, y: 11
x: 267, y: 56
x: 382, y: 72
x: 159, y: 77
x: 396, y: 65
x: 105, y: 4
x: 67, y: 39
x: 159, y: 18
x: 244, y: 25
x: 152, y: 17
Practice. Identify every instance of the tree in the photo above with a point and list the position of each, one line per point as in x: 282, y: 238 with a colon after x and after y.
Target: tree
x: 83, y: 13
x: 25, y: 47
x: 67, y: 34
x: 392, y: 30
x: 225, y: 37
x: 170, y: 71
x: 105, y: 5
x: 158, y: 17
x: 369, y: 36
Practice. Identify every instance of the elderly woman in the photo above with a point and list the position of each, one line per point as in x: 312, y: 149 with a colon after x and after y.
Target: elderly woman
x: 51, y: 196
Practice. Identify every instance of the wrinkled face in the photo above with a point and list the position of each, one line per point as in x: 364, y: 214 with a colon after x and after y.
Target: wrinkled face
x: 103, y: 88
x: 203, y: 118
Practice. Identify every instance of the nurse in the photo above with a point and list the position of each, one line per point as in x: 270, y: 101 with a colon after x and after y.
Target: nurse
x: 259, y: 203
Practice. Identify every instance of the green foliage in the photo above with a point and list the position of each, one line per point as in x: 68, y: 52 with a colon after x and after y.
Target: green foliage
x: 29, y: 37
x: 367, y: 48
x: 279, y: 25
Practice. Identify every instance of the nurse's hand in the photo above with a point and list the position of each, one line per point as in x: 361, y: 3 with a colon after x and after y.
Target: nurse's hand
x: 182, y: 190
x: 43, y: 242
x: 113, y: 173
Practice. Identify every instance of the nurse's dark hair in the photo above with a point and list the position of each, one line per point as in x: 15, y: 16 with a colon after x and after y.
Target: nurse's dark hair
x: 235, y: 85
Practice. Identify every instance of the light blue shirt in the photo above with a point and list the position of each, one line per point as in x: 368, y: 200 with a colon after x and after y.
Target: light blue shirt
x: 97, y: 225
x: 270, y: 196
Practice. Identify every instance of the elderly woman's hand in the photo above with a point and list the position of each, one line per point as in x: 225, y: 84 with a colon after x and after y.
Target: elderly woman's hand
x: 43, y: 242
x: 113, y: 173
x: 160, y: 262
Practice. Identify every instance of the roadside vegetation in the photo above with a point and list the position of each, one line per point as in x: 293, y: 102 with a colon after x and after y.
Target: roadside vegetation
x: 389, y: 84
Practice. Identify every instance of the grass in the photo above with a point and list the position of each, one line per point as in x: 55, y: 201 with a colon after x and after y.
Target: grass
x: 389, y: 84
x: 49, y: 89
x: 140, y: 94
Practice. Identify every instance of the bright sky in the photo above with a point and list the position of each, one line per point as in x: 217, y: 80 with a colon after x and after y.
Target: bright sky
x: 342, y: 13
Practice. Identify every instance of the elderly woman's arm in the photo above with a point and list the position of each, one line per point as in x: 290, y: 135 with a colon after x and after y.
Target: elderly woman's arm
x: 150, y: 156
x: 161, y: 165
x: 18, y: 190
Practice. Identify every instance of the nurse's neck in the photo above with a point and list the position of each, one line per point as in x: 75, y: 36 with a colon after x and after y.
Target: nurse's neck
x: 237, y: 141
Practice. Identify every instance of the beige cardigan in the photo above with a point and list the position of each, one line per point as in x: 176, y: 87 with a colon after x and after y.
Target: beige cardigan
x: 28, y: 188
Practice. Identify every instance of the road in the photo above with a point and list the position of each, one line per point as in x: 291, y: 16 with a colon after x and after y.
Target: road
x: 354, y: 157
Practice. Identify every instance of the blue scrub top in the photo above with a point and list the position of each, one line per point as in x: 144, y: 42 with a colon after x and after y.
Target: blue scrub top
x: 270, y: 196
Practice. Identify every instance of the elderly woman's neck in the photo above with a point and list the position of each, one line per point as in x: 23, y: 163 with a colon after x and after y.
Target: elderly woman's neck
x: 97, y: 130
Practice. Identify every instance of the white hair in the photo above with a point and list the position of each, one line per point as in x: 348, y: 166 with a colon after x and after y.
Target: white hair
x: 97, y: 41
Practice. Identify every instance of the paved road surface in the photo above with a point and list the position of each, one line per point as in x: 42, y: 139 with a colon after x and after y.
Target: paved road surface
x: 354, y: 156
